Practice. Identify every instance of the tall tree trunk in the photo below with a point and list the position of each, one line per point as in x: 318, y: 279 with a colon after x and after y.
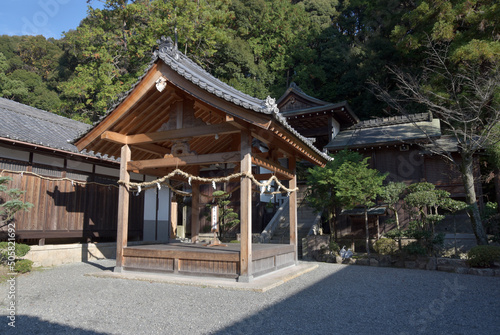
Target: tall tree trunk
x: 367, y: 232
x: 396, y: 217
x: 496, y: 180
x: 470, y: 198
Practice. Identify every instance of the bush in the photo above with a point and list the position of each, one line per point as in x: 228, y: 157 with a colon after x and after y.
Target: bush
x: 395, y: 234
x: 334, y: 247
x: 483, y: 256
x: 20, y: 250
x: 385, y: 246
x: 415, y: 248
x: 23, y: 266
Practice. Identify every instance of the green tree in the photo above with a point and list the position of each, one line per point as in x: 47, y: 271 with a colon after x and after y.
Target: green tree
x: 263, y: 36
x: 321, y: 188
x: 11, y: 203
x: 112, y: 46
x: 458, y: 79
x: 10, y: 88
x: 343, y: 53
x: 466, y: 98
x: 391, y: 194
x: 424, y: 201
x: 358, y: 185
x: 228, y: 218
x: 31, y: 71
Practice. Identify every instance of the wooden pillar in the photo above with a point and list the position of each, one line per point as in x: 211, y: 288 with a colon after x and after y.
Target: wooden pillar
x: 293, y: 208
x: 173, y: 217
x: 246, y: 210
x: 195, y: 210
x: 123, y: 209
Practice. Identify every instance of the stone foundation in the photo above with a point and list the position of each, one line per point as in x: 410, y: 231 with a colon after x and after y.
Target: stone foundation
x: 316, y: 248
x: 58, y: 254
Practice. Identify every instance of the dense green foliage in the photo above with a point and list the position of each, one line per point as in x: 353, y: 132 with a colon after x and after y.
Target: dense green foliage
x: 483, y: 256
x: 330, y: 48
x: 20, y: 250
x: 424, y: 205
x: 357, y: 185
x: 11, y: 255
x: 322, y: 188
x: 23, y: 266
x: 385, y: 246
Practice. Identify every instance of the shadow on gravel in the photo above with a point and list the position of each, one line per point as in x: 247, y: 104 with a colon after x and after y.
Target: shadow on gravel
x: 370, y: 300
x: 99, y: 266
x: 25, y: 324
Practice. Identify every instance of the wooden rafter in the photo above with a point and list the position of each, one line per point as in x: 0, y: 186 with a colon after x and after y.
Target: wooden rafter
x: 152, y: 149
x: 273, y: 166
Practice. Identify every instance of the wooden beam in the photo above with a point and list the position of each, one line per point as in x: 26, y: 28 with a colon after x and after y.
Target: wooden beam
x: 114, y: 137
x: 175, y: 134
x: 272, y: 166
x: 123, y: 209
x: 223, y: 157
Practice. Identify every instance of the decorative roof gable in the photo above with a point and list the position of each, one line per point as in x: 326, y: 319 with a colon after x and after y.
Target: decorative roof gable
x: 183, y: 77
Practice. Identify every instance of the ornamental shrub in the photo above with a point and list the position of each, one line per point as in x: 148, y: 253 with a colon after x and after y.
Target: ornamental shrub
x: 483, y: 256
x: 334, y: 247
x: 20, y: 250
x: 23, y: 265
x: 415, y: 248
x: 385, y: 246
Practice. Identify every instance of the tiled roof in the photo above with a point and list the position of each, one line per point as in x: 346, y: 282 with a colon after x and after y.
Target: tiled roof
x: 387, y: 130
x: 35, y: 126
x: 184, y: 66
x: 393, y: 120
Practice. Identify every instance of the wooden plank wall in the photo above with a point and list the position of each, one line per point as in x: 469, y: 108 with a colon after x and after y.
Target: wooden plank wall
x: 63, y: 210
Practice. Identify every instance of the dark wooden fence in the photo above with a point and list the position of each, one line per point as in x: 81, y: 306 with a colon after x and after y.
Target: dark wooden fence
x: 82, y: 209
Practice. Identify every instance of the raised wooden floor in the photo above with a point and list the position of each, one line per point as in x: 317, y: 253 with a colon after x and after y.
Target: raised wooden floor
x: 200, y: 260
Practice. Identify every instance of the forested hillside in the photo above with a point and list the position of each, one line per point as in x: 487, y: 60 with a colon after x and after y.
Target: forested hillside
x: 330, y: 48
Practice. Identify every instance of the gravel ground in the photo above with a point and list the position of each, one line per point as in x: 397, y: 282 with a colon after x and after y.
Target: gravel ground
x: 332, y: 299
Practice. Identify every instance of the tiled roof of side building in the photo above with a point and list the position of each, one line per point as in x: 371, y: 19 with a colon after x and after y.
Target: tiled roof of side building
x: 389, y: 130
x: 38, y: 127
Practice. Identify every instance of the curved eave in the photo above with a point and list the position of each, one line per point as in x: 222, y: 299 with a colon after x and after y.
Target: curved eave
x: 294, y: 89
x: 300, y: 146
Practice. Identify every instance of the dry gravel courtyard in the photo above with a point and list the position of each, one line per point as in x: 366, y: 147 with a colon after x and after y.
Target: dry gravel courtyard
x: 332, y: 299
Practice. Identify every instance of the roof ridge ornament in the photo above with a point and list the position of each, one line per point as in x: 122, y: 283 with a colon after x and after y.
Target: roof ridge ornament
x: 167, y: 47
x: 270, y: 106
x: 296, y: 87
